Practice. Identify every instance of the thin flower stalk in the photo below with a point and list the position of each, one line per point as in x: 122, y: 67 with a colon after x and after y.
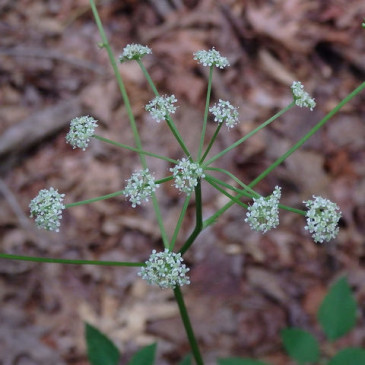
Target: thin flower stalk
x: 132, y: 121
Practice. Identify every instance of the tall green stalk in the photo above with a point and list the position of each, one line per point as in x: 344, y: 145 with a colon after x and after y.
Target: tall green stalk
x: 188, y: 327
x: 67, y: 261
x: 206, y: 111
x: 127, y: 104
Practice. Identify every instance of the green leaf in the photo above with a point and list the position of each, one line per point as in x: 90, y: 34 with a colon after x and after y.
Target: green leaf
x: 353, y: 356
x: 337, y: 313
x: 300, y: 345
x: 145, y: 356
x: 186, y: 360
x: 100, y: 350
x: 239, y: 361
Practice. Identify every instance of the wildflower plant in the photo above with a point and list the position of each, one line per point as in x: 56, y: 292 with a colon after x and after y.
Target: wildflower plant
x: 164, y: 268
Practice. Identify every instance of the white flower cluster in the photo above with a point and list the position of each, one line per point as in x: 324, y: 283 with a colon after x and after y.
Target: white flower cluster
x: 211, y: 58
x: 165, y: 269
x: 161, y: 106
x: 81, y: 130
x: 140, y: 187
x: 134, y: 52
x: 186, y: 175
x: 224, y: 111
x: 263, y: 214
x: 47, y: 207
x: 301, y: 97
x: 322, y: 218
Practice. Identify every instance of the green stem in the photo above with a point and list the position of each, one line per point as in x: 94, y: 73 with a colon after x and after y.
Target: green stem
x: 211, y: 181
x: 188, y: 327
x: 244, y: 193
x: 179, y: 222
x: 198, y: 220
x: 168, y: 119
x: 165, y: 179
x: 211, y: 142
x: 148, y: 78
x: 215, y: 216
x: 263, y: 125
x: 209, y: 90
x: 66, y: 261
x: 132, y: 121
x: 82, y: 202
x: 134, y: 149
x: 238, y: 181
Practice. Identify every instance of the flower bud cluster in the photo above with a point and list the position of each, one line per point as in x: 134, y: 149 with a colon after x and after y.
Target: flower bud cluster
x: 301, y: 97
x: 186, y: 175
x: 322, y: 218
x: 140, y: 187
x: 81, y: 130
x: 211, y: 58
x: 161, y: 106
x: 165, y: 269
x: 134, y: 52
x: 47, y: 207
x: 263, y: 214
x: 224, y: 111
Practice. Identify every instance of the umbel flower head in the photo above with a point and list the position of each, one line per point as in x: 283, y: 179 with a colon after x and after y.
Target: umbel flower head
x: 211, y: 58
x: 301, y: 97
x: 263, y: 214
x: 161, y: 106
x: 140, y: 187
x: 322, y: 218
x: 47, y: 207
x: 224, y: 111
x: 186, y: 175
x: 134, y: 52
x: 81, y: 130
x: 165, y: 269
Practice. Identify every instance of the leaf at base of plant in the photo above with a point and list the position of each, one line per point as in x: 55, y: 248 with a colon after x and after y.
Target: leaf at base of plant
x: 300, y: 345
x: 100, y: 350
x: 351, y: 356
x: 337, y: 313
x: 145, y: 356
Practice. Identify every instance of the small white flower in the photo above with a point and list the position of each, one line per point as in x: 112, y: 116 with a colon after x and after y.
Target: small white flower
x: 301, y: 97
x: 161, y: 106
x: 187, y: 175
x: 322, y: 218
x: 211, y: 58
x: 140, y: 187
x: 47, y: 207
x: 224, y: 111
x: 81, y: 130
x: 263, y: 214
x: 134, y: 52
x: 165, y: 269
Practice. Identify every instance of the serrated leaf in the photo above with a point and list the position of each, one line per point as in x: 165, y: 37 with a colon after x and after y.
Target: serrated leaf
x: 300, y: 345
x: 337, y: 313
x: 145, y: 356
x: 351, y: 356
x: 186, y: 360
x: 239, y: 361
x: 100, y: 350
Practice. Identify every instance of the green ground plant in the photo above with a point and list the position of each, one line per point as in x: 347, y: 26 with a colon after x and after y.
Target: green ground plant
x: 165, y: 268
x: 336, y: 315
